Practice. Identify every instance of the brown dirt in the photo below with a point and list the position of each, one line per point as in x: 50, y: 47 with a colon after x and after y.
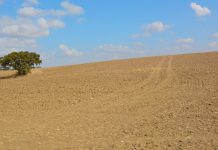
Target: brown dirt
x: 168, y: 102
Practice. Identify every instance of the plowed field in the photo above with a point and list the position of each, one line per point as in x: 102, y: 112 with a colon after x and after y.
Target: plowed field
x: 165, y: 102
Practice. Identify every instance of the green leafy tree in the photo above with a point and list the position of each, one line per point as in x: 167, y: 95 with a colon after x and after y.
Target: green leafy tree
x: 21, y: 61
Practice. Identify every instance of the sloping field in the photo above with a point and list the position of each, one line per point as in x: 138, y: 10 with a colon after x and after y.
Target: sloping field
x: 168, y: 102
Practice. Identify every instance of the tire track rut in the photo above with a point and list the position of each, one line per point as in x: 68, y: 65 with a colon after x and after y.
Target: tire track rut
x: 160, y: 77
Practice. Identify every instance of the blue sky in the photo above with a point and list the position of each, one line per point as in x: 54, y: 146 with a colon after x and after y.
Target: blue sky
x: 68, y: 32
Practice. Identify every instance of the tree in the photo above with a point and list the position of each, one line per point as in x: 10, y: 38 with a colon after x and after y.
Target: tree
x: 21, y: 61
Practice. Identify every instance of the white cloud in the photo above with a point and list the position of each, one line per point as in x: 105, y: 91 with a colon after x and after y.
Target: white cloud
x: 21, y: 33
x: 111, y: 47
x: 113, y: 51
x: 72, y: 52
x: 56, y: 23
x: 141, y: 35
x: 199, y: 10
x: 153, y: 27
x: 137, y: 35
x: 157, y: 26
x: 28, y: 28
x: 181, y: 44
x: 30, y: 12
x: 180, y: 48
x: 215, y: 35
x: 43, y: 23
x: 24, y: 28
x: 58, y: 13
x: 30, y: 2
x: 185, y: 40
x: 31, y: 23
x: 72, y: 8
x: 68, y: 9
x: 8, y: 44
x: 138, y: 44
x: 213, y: 44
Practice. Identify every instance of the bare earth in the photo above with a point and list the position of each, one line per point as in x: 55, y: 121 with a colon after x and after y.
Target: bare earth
x: 168, y: 102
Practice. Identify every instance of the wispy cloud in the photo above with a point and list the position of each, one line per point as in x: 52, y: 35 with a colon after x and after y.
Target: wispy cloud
x: 153, y: 27
x: 72, y: 8
x: 116, y: 51
x: 67, y: 9
x: 28, y: 28
x: 8, y: 44
x: 185, y: 40
x: 213, y: 44
x: 31, y: 12
x: 30, y: 2
x: 112, y: 47
x: 138, y: 44
x: 215, y: 35
x: 68, y: 51
x: 55, y: 23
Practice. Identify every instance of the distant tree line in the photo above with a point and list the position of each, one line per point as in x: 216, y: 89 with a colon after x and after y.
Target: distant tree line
x: 22, y: 61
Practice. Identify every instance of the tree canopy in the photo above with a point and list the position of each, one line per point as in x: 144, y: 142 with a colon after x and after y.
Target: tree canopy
x: 21, y: 61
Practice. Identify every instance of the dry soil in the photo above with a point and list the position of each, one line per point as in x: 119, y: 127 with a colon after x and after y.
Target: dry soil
x: 166, y: 102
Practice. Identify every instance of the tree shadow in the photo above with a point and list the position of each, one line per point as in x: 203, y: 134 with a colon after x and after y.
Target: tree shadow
x: 9, y: 76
